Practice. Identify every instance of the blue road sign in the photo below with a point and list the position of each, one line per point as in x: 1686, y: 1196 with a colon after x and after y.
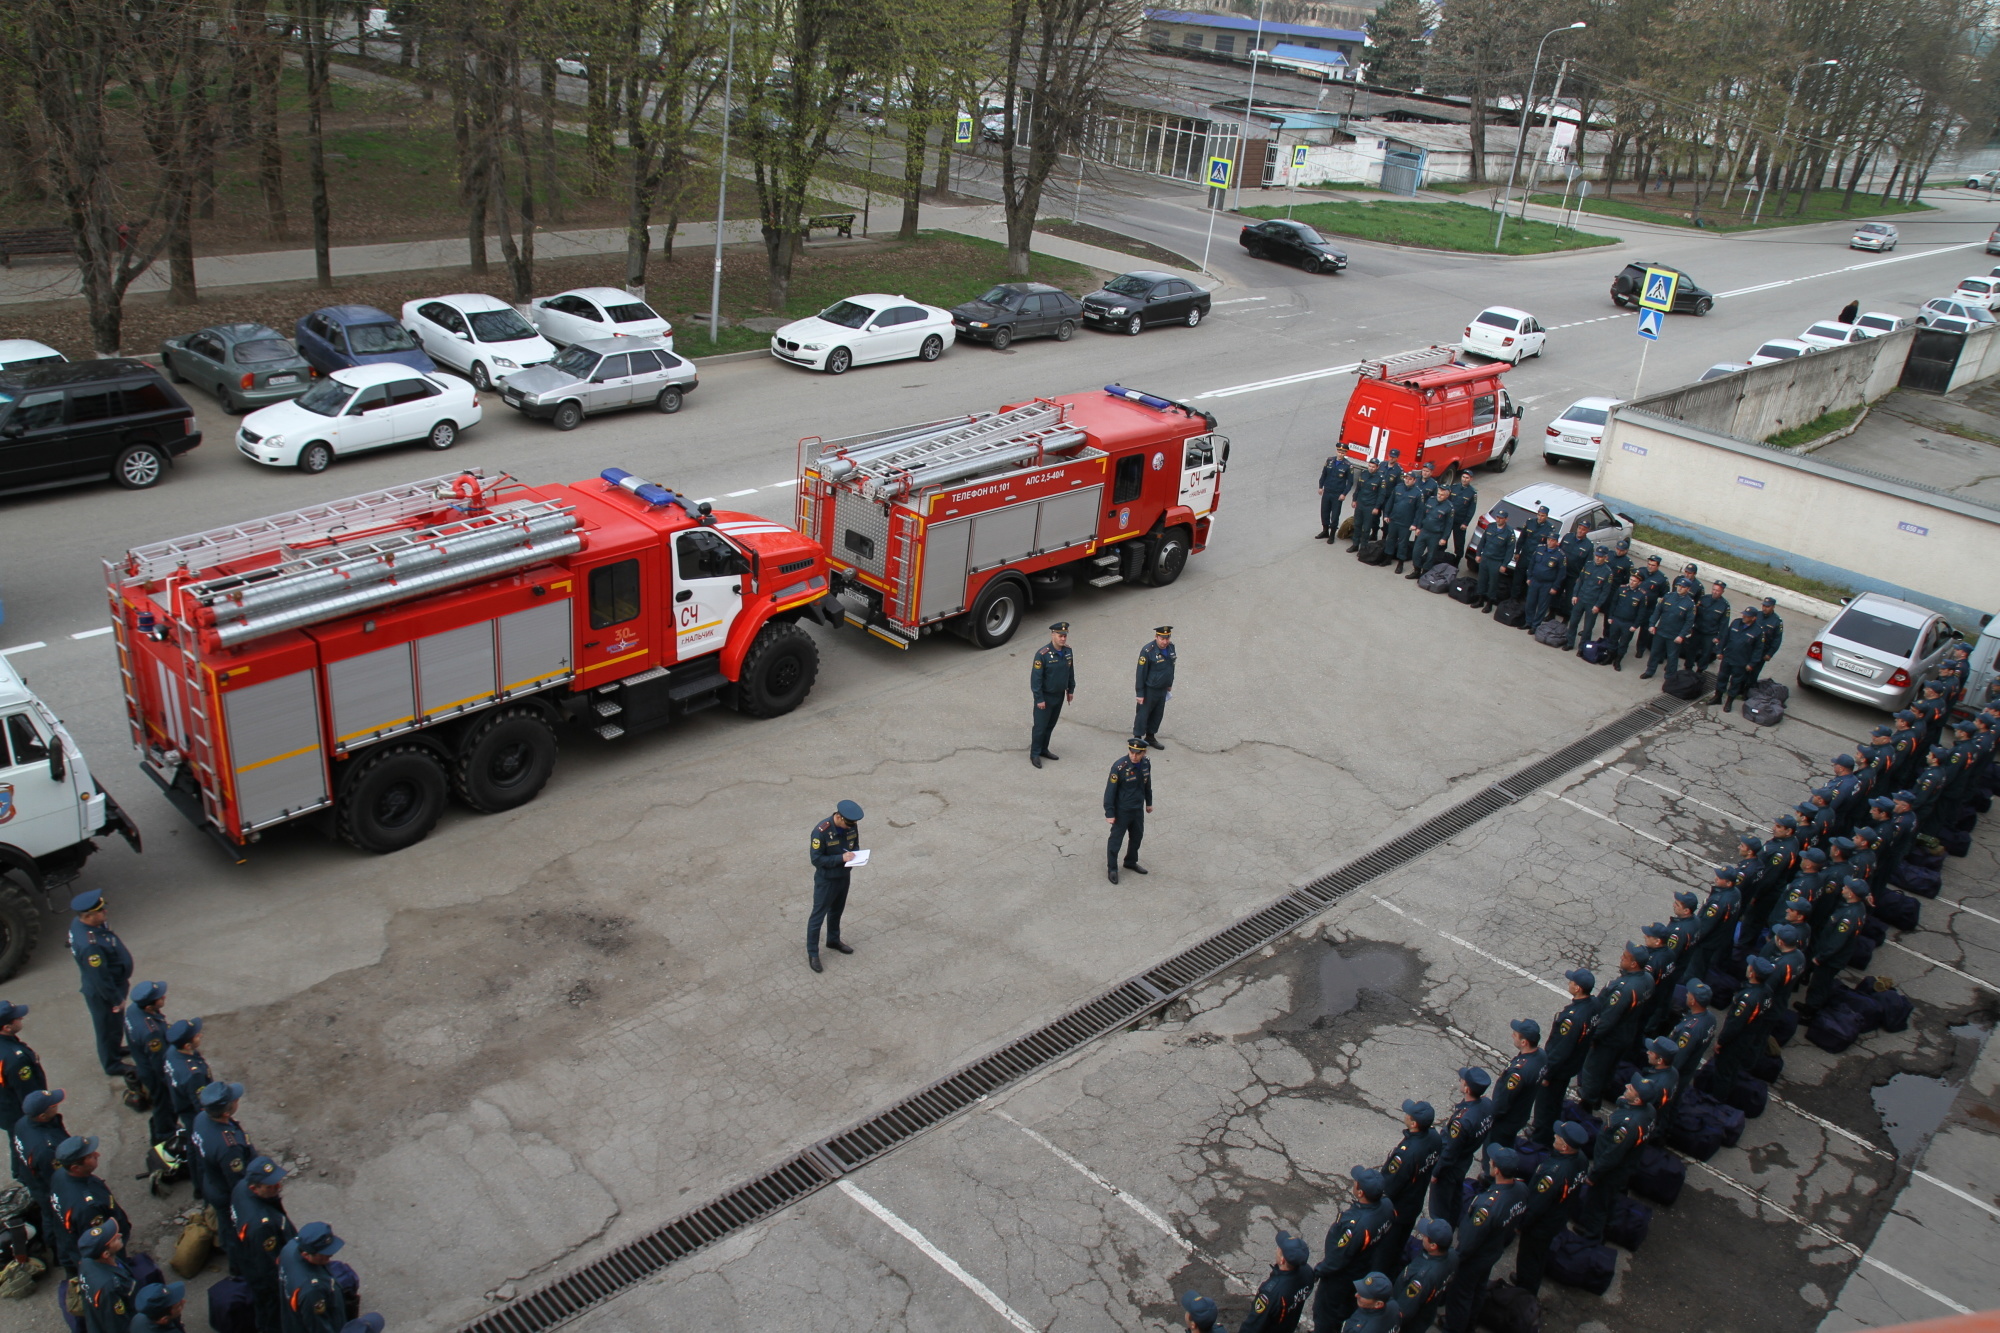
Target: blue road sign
x: 1220, y: 170
x: 1649, y: 323
x: 1657, y: 292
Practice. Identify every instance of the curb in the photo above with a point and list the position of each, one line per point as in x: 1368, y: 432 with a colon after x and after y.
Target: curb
x: 1840, y: 434
x: 726, y: 358
x: 1788, y: 598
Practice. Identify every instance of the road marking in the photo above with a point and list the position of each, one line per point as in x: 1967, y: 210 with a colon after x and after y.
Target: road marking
x: 1280, y: 382
x: 1599, y: 814
x: 22, y: 648
x: 706, y: 500
x: 734, y: 495
x: 1672, y: 791
x: 1973, y: 910
x: 1852, y: 268
x: 92, y: 633
x: 788, y: 481
x: 939, y: 1257
x: 1239, y: 300
x: 1521, y: 972
x: 1985, y: 985
x: 1158, y: 1222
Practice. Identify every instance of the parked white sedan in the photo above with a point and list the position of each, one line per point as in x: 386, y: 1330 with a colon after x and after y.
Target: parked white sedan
x: 1578, y: 433
x: 1831, y: 333
x: 584, y: 314
x: 862, y: 329
x: 1504, y: 334
x: 1875, y: 323
x: 1780, y: 349
x: 480, y: 337
x: 1979, y: 290
x: 360, y: 407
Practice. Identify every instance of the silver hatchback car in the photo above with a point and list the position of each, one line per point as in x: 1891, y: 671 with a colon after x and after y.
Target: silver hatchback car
x: 602, y: 375
x: 1877, y: 651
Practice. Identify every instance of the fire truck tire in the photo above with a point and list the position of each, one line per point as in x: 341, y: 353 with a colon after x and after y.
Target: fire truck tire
x: 20, y: 920
x: 316, y: 457
x: 504, y: 761
x: 568, y: 416
x: 140, y: 466
x: 838, y: 360
x: 778, y: 671
x: 1500, y: 464
x: 1169, y: 558
x: 997, y: 613
x: 393, y: 800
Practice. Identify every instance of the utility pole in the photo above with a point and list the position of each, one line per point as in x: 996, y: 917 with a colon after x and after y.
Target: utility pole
x: 1535, y: 163
x: 1249, y: 108
x: 1527, y: 111
x: 722, y: 183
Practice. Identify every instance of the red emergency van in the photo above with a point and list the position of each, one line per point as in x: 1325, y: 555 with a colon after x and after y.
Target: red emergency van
x: 1426, y: 406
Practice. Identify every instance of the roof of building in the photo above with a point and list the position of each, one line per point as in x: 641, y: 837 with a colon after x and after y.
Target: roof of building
x: 1312, y: 54
x: 1237, y: 23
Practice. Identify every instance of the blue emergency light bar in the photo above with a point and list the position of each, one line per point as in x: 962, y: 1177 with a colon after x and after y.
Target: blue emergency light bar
x: 655, y: 496
x: 1146, y: 399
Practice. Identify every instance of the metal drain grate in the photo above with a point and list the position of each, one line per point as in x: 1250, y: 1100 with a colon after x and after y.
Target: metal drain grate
x: 825, y: 1162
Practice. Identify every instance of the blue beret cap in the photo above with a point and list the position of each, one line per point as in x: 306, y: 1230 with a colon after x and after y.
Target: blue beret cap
x: 1583, y: 977
x: 1785, y: 820
x: 1753, y: 842
x: 1295, y: 1250
x: 1904, y: 795
x: 1843, y: 844
x: 87, y: 901
x: 264, y: 1171
x: 1575, y: 1134
x: 41, y: 1100
x: 75, y: 1148
x: 1787, y: 932
x: 220, y: 1093
x: 1435, y: 1230
x: 1814, y: 854
x: 1700, y: 990
x: 1624, y: 543
x: 1881, y: 803
x: 1476, y: 1078
x: 1375, y: 1287
x: 1421, y: 1112
x: 1845, y: 760
x: 1199, y: 1307
x: 1726, y: 873
x: 1528, y: 1028
x: 156, y: 1299
x: 1636, y: 949
x: 148, y: 991
x: 368, y: 1323
x: 848, y: 810
x: 1657, y: 931
x: 1604, y: 550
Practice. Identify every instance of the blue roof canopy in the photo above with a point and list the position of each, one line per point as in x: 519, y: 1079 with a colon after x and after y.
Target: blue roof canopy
x: 1236, y: 23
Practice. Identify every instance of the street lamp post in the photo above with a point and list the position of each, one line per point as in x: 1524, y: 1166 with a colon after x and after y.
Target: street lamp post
x: 1527, y: 111
x: 722, y: 183
x: 1785, y: 125
x: 1250, y: 103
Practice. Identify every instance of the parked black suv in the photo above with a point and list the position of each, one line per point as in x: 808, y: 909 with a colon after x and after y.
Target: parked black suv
x: 1017, y: 310
x: 1688, y: 298
x: 87, y: 420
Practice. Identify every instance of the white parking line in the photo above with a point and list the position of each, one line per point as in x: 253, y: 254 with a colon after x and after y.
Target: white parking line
x: 22, y: 648
x: 1852, y: 268
x: 1599, y: 814
x: 1521, y: 972
x: 1985, y: 985
x: 1239, y: 300
x: 1673, y: 791
x: 735, y: 495
x: 937, y: 1256
x: 788, y: 481
x: 92, y: 633
x: 1961, y: 907
x: 1158, y: 1222
x: 1279, y: 382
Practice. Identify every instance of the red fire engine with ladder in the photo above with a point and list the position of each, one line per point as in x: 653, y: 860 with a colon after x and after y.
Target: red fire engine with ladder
x: 359, y: 661
x: 963, y: 524
x: 1429, y: 408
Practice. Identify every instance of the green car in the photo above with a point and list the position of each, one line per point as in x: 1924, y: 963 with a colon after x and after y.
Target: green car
x: 246, y: 366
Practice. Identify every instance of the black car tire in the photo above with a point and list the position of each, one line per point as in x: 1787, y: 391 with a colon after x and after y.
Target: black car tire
x: 1001, y: 339
x: 1133, y: 325
x: 778, y: 671
x: 393, y: 800
x: 932, y: 349
x: 669, y: 400
x: 838, y: 361
x: 1065, y: 330
x: 315, y: 458
x: 1194, y: 317
x: 480, y: 379
x: 1703, y: 305
x: 443, y: 435
x: 505, y: 760
x: 997, y: 613
x: 139, y: 467
x: 568, y: 416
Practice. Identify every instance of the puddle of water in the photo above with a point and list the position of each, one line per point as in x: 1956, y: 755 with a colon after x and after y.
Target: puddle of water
x: 1342, y: 978
x: 1912, y: 1107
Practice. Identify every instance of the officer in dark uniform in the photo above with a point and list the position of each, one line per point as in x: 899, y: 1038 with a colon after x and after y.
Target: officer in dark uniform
x: 1281, y: 1300
x: 1351, y: 1247
x: 1197, y: 1312
x: 107, y: 1283
x: 1422, y: 1284
x: 1514, y: 1090
x: 1692, y: 1035
x: 1433, y: 533
x: 1656, y: 588
x: 1715, y: 927
x: 32, y: 1144
x: 1672, y: 624
x: 187, y: 1070
x: 1496, y: 559
x: 1742, y: 643
x: 106, y: 967
x: 1621, y: 562
x: 1834, y: 945
x: 1569, y: 1034
x: 20, y: 1068
x: 1623, y: 614
x: 80, y: 1199
x: 1556, y: 1182
x: 1336, y: 478
x: 1711, y: 618
x: 1615, y: 1026
x: 146, y: 1038
x: 1152, y: 686
x: 1374, y: 1313
x: 1052, y: 682
x: 310, y: 1299
x: 834, y: 842
x: 1545, y: 575
x: 1577, y: 550
x: 1532, y: 533
x: 1774, y: 636
x: 221, y: 1146
x: 1464, y: 504
x: 1406, y: 1174
x: 1399, y: 518
x: 1490, y: 1222
x: 1660, y: 1055
x: 1659, y: 964
x: 1742, y: 1037
x: 1789, y: 963
x: 1616, y: 1156
x: 257, y: 1231
x: 1463, y: 1133
x: 1128, y: 799
x: 1683, y: 929
x: 1368, y: 484
x: 1588, y: 593
x: 159, y: 1306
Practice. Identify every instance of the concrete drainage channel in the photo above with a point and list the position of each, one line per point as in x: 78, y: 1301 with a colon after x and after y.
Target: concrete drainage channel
x: 1150, y: 991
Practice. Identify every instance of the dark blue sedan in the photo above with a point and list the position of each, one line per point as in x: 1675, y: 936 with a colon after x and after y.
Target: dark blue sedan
x: 340, y: 336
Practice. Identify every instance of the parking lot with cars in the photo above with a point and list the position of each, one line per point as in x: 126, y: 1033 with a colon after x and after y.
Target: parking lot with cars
x: 577, y: 1075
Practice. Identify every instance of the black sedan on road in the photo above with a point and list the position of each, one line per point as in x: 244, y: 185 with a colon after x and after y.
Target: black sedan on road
x: 1017, y: 310
x: 246, y: 366
x: 1131, y: 301
x: 1294, y: 243
x: 1689, y: 299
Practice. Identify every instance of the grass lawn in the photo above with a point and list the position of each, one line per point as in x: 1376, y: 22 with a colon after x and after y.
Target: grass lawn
x: 1823, y: 207
x: 1112, y: 240
x: 1711, y: 559
x: 1457, y: 187
x: 1813, y: 430
x: 1436, y: 227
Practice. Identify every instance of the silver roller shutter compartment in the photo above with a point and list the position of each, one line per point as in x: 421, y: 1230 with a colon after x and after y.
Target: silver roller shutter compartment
x: 534, y: 646
x: 371, y: 694
x: 1003, y: 535
x: 455, y: 669
x: 274, y: 750
x: 1068, y: 520
x: 861, y: 535
x: 943, y: 588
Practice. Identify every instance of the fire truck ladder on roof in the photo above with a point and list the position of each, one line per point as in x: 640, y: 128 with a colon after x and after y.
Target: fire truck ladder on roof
x: 299, y: 527
x: 895, y: 467
x: 1407, y: 363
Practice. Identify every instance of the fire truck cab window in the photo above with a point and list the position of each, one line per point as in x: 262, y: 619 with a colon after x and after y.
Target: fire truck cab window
x: 1482, y: 410
x: 1200, y: 452
x: 25, y: 739
x: 704, y: 555
x: 614, y: 594
x: 1131, y: 479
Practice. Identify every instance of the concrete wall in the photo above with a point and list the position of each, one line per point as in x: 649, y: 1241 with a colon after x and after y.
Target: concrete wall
x: 1756, y: 404
x: 1815, y: 518
x: 1980, y: 359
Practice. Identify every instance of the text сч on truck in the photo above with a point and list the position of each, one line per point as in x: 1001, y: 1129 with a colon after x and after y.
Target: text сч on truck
x: 361, y: 660
x: 963, y: 524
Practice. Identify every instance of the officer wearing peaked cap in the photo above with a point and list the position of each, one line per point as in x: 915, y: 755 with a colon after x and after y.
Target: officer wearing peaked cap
x: 1773, y: 630
x: 105, y: 965
x: 1197, y: 1312
x: 1373, y: 1313
x: 1557, y: 1180
x: 834, y: 842
x: 1564, y: 1055
x: 1352, y: 1247
x: 1052, y: 682
x: 1694, y: 1032
x: 1588, y: 593
x: 258, y: 1230
x: 20, y: 1068
x: 1715, y: 922
x: 221, y: 1146
x: 1128, y: 799
x: 1614, y: 1027
x: 187, y: 1070
x: 37, y: 1134
x: 1336, y: 478
x: 1406, y: 1172
x: 1282, y: 1298
x: 310, y: 1297
x: 80, y: 1199
x: 106, y: 1281
x: 1422, y: 1283
x: 1615, y: 1157
x: 159, y: 1308
x: 1153, y: 685
x: 146, y: 1037
x: 1490, y: 1222
x: 1463, y: 1133
x: 1514, y: 1090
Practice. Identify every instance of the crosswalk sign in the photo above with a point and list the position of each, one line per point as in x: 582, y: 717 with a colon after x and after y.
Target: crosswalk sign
x: 964, y: 128
x: 1220, y: 169
x: 1298, y: 156
x: 1657, y: 292
x: 1649, y: 323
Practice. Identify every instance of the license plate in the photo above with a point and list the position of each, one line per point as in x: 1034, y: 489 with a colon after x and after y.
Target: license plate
x: 1857, y: 667
x: 282, y: 379
x: 1569, y: 439
x: 512, y: 398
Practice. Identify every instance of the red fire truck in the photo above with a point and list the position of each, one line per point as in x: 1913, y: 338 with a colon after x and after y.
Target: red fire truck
x: 358, y: 661
x: 963, y: 524
x: 1427, y: 407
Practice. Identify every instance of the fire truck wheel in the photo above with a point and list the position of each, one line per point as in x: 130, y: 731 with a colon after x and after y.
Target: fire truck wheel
x: 568, y: 416
x: 1169, y: 558
x: 1002, y: 339
x: 997, y: 614
x: 933, y: 348
x: 1500, y: 464
x: 315, y: 457
x: 393, y: 799
x: 504, y: 761
x: 140, y: 466
x: 443, y: 435
x: 778, y: 671
x: 838, y: 360
x: 20, y: 921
